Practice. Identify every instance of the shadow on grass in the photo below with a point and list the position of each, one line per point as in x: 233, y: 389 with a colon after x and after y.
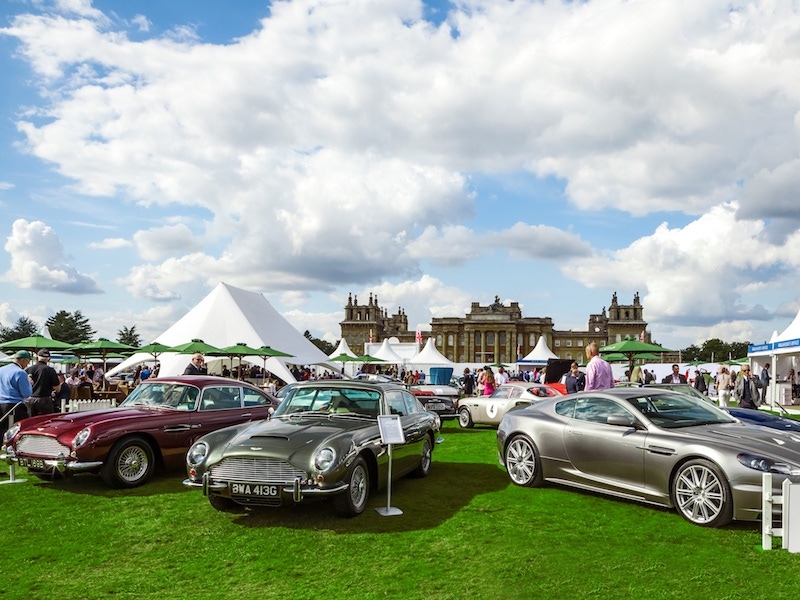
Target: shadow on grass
x: 163, y: 482
x: 426, y: 503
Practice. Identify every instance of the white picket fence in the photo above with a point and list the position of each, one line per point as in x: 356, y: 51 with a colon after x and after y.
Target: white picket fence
x: 81, y: 405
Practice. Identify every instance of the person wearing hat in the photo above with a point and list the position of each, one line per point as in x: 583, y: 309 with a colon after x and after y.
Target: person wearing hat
x: 14, y: 388
x: 44, y: 380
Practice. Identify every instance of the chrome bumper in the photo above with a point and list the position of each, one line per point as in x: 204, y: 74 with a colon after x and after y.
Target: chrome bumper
x: 295, y: 490
x: 59, y: 463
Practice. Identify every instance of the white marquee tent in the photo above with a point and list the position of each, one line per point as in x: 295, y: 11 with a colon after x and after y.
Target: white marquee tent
x: 387, y: 353
x: 783, y: 354
x: 228, y: 316
x: 540, y: 353
x: 429, y: 355
x: 342, y: 348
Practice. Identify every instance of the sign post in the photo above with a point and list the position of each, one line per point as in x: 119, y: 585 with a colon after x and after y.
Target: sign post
x: 391, y: 433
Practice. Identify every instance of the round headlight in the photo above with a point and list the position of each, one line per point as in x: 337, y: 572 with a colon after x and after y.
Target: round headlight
x: 197, y: 453
x: 81, y: 438
x: 324, y: 459
x: 9, y: 435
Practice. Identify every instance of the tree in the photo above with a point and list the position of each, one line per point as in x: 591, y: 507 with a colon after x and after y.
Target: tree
x: 72, y: 328
x: 129, y: 336
x: 23, y: 328
x: 715, y: 350
x: 326, y: 347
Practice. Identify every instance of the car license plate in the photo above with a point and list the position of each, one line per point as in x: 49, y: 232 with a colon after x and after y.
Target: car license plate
x: 254, y: 489
x: 32, y: 463
x: 435, y: 406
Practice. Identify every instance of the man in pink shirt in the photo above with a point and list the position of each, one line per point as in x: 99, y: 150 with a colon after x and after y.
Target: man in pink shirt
x: 598, y: 372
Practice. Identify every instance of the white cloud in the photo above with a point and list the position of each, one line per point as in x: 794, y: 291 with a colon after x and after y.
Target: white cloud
x: 110, y: 244
x: 38, y: 261
x: 334, y: 145
x: 695, y: 275
x: 169, y: 240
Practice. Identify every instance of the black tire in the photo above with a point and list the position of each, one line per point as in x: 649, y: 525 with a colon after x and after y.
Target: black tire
x: 522, y: 462
x: 424, y: 467
x: 353, y: 501
x: 701, y: 494
x: 130, y: 463
x: 226, y: 505
x: 465, y: 418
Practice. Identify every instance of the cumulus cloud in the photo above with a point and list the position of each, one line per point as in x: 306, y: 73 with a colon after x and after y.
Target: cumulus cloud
x: 335, y: 145
x: 169, y: 240
x: 38, y: 261
x: 697, y: 274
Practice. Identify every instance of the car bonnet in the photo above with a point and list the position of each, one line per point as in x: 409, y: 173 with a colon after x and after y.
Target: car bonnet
x: 283, y: 436
x: 744, y: 437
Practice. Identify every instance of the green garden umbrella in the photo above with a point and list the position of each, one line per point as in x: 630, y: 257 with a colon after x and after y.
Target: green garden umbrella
x: 366, y: 358
x: 343, y: 358
x: 155, y: 349
x: 631, y: 348
x: 33, y: 343
x: 239, y: 349
x: 101, y: 348
x: 266, y: 352
x: 196, y: 346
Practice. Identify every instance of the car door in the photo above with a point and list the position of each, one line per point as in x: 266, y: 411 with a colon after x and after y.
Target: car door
x: 494, y: 407
x: 405, y: 455
x: 218, y: 406
x: 607, y: 456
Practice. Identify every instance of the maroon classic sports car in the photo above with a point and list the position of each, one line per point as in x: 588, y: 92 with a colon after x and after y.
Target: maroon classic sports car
x: 154, y: 426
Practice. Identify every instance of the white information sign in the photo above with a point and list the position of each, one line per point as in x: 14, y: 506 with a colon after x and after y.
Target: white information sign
x: 391, y: 429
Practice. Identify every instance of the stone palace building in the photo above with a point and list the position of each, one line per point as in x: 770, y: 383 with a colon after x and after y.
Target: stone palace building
x: 494, y: 333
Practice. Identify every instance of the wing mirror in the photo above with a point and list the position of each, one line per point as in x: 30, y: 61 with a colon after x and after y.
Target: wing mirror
x: 621, y: 420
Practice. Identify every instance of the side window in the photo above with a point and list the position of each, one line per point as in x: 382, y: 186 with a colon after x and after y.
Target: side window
x: 219, y: 398
x: 503, y: 392
x: 396, y: 404
x: 597, y: 410
x: 411, y: 403
x: 566, y: 408
x: 253, y: 398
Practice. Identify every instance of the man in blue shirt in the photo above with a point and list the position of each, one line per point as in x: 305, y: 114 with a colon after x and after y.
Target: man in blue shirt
x: 14, y: 388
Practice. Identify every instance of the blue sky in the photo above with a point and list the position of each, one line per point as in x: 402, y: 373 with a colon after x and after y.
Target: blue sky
x: 434, y: 154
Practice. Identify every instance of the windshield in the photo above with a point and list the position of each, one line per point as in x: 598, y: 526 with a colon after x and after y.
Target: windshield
x: 179, y: 396
x: 331, y: 400
x: 675, y: 410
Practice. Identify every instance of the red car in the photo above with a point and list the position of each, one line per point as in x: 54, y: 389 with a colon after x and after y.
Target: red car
x: 153, y: 427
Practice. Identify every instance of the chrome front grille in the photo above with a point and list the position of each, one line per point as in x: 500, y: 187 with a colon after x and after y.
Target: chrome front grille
x: 256, y: 470
x: 41, y: 445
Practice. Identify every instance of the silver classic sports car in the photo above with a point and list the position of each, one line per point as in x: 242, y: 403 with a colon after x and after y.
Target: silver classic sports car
x: 650, y: 445
x: 324, y: 440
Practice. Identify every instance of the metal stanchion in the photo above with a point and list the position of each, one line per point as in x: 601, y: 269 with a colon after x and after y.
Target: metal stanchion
x: 12, y: 466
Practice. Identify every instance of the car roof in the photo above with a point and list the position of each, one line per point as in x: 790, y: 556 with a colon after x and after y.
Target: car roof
x: 199, y: 381
x: 349, y: 383
x: 627, y: 392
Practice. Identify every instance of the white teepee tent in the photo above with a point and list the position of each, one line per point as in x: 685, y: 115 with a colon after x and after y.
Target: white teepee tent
x: 228, y: 316
x: 540, y: 353
x: 387, y: 353
x: 342, y: 348
x: 429, y: 355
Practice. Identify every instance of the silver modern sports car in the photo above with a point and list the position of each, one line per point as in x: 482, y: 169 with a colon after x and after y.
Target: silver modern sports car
x: 650, y: 445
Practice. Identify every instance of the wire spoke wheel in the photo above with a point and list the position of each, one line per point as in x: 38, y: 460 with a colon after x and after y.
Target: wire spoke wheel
x: 132, y: 463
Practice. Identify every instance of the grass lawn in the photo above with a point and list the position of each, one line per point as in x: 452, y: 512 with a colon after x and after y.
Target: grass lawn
x: 466, y: 532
